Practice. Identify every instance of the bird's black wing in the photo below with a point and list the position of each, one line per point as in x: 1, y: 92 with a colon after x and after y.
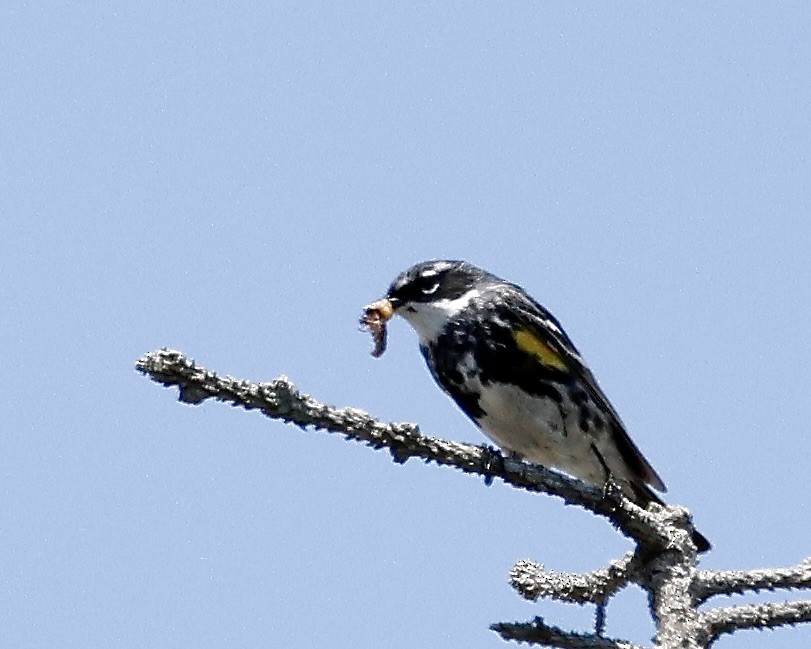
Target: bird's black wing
x: 542, y: 336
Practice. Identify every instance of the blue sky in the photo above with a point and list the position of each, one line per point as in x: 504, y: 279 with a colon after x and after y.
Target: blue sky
x: 238, y: 181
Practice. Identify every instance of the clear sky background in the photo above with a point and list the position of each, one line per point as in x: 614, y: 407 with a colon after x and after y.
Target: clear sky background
x: 236, y: 180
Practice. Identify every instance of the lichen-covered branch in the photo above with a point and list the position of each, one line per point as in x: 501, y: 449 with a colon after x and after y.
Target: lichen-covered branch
x: 709, y: 583
x: 664, y: 563
x: 538, y: 632
x: 719, y: 621
x: 279, y: 399
x: 674, y: 609
x: 532, y: 581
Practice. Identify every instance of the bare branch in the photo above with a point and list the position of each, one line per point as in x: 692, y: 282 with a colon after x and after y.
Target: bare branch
x: 539, y: 632
x: 674, y: 610
x: 532, y: 581
x: 755, y: 616
x: 663, y: 564
x: 709, y: 583
x: 279, y: 399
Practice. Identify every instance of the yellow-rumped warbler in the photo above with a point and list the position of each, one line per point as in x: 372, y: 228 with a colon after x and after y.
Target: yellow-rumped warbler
x: 508, y: 364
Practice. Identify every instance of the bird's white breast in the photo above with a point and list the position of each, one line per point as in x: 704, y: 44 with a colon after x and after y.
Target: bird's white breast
x: 538, y: 429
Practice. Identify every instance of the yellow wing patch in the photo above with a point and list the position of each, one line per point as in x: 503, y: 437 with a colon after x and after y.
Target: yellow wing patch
x: 534, y: 346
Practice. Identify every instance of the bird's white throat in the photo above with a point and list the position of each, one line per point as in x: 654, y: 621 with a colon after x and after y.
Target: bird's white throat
x: 429, y: 318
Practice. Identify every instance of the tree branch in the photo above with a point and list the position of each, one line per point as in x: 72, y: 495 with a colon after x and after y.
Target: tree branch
x: 279, y: 399
x: 709, y: 583
x: 538, y: 632
x: 674, y: 609
x: 755, y: 616
x: 532, y: 581
x: 663, y: 563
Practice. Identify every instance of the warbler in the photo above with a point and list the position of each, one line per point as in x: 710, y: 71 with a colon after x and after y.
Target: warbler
x: 509, y: 365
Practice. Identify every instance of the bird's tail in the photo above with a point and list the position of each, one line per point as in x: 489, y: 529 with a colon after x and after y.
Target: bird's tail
x: 643, y: 495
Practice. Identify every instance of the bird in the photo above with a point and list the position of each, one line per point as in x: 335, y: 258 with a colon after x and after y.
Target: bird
x: 511, y: 368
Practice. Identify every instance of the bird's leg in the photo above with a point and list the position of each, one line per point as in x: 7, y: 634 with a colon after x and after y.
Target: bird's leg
x: 601, y: 460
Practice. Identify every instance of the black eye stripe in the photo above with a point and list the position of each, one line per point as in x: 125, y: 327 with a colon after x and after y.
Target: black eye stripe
x: 427, y: 283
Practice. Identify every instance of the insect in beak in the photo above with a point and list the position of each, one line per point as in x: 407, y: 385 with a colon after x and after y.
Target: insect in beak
x: 375, y: 316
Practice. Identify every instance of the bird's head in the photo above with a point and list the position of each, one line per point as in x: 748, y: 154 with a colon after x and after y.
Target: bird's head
x: 429, y: 294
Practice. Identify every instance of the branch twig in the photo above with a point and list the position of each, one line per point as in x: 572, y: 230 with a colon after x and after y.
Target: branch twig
x: 754, y: 616
x: 532, y: 581
x: 709, y: 583
x: 539, y: 632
